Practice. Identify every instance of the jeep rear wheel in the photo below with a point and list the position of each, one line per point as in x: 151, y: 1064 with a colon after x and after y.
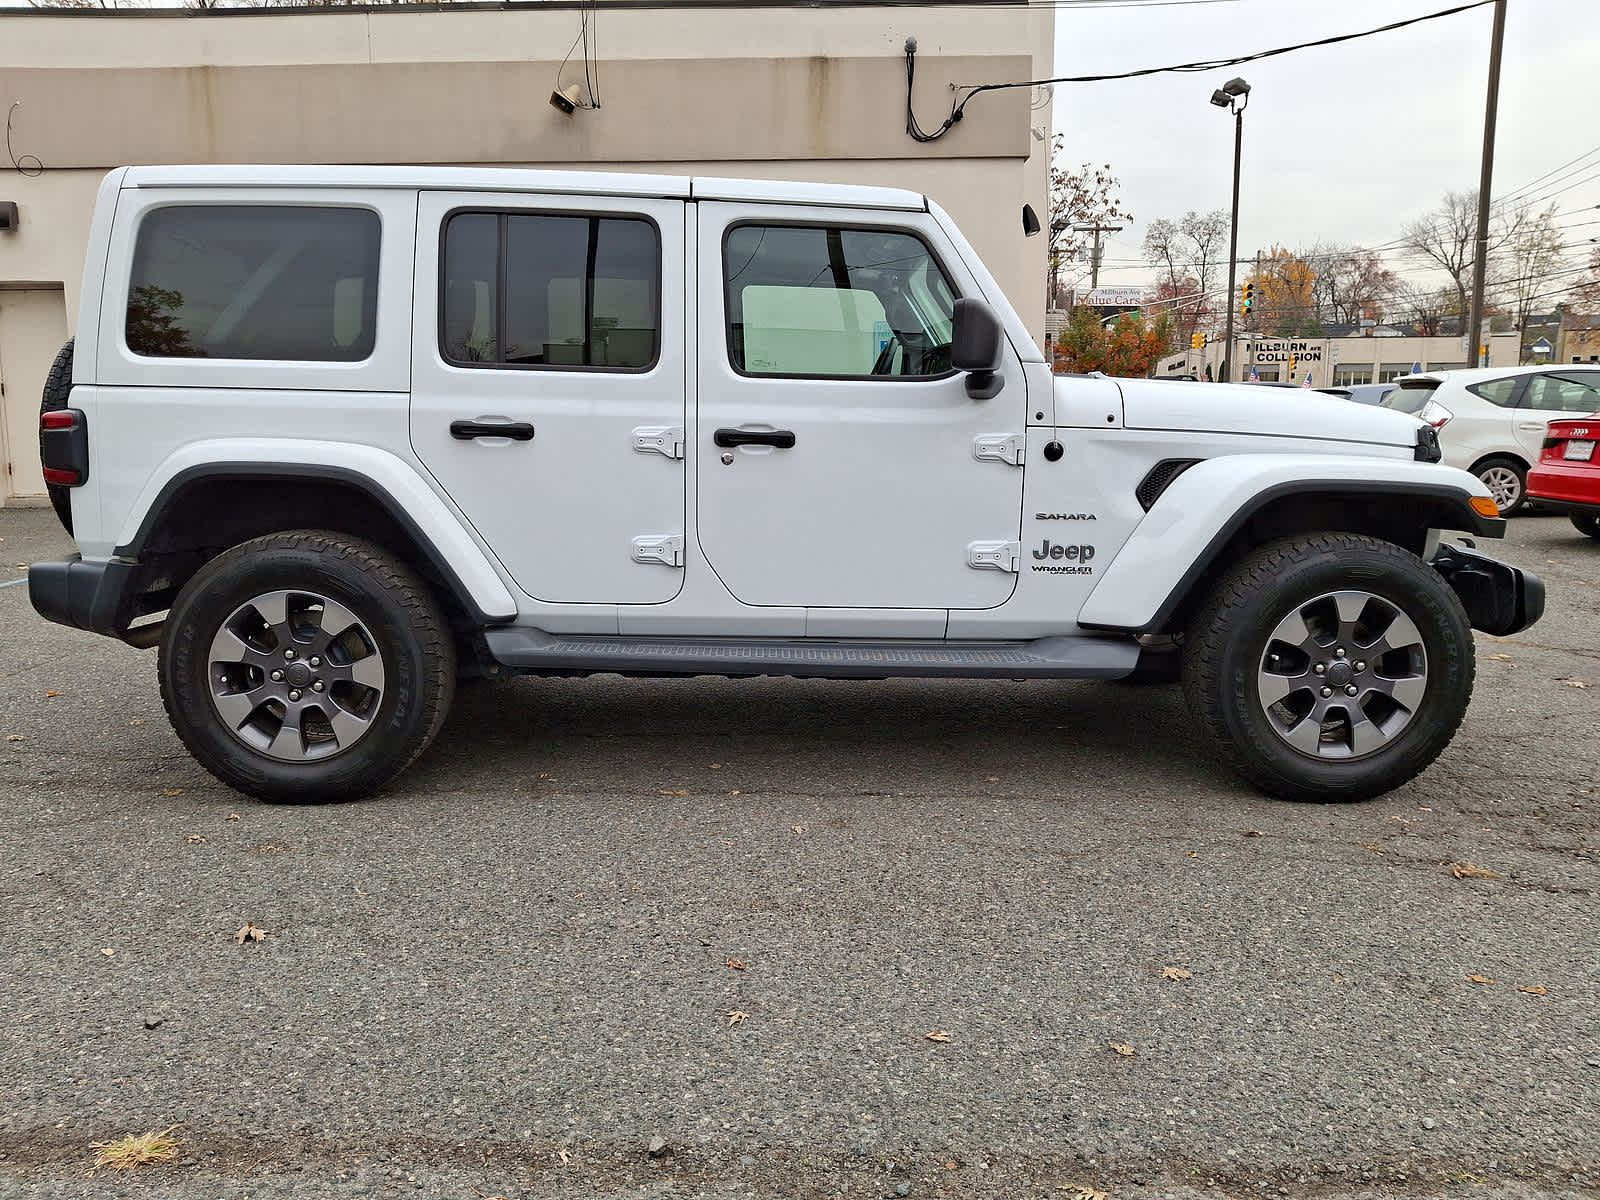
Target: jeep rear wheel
x: 1330, y: 667
x: 306, y: 667
x: 1586, y: 523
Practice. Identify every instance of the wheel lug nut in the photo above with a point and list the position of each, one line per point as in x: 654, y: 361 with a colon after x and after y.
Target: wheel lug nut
x: 1339, y: 652
x: 288, y: 654
x: 316, y: 685
x: 315, y: 661
x: 1327, y: 692
x: 277, y: 676
x: 1351, y: 690
x: 294, y: 694
x: 1320, y: 668
x: 1361, y: 666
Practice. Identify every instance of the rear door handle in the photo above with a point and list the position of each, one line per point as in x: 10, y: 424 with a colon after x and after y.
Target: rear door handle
x: 517, y: 431
x: 1531, y: 425
x: 783, y: 439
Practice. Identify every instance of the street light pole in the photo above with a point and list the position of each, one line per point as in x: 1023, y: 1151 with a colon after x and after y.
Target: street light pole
x: 1234, y: 96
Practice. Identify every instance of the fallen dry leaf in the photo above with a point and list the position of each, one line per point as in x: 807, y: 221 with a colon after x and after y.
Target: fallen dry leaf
x: 674, y: 792
x: 737, y: 1017
x: 15, y: 737
x: 169, y: 793
x: 1372, y: 847
x: 136, y: 1150
x: 52, y: 693
x: 937, y: 1035
x: 1577, y: 683
x: 798, y: 828
x: 195, y: 839
x: 1175, y: 973
x: 716, y: 766
x: 564, y: 1155
x: 1534, y: 989
x: 108, y: 952
x: 1124, y: 1049
x: 233, y: 816
x: 1252, y: 833
x: 1501, y: 657
x: 1479, y: 979
x: 1082, y: 1191
x: 1472, y: 871
x: 137, y: 721
x: 737, y: 964
x: 249, y: 932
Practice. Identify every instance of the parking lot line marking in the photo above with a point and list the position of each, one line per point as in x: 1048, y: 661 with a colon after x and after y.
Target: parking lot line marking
x: 13, y: 582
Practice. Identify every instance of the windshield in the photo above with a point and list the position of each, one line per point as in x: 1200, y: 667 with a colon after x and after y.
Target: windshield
x: 1410, y: 398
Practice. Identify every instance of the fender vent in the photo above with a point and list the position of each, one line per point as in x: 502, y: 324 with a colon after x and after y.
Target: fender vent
x: 1160, y: 478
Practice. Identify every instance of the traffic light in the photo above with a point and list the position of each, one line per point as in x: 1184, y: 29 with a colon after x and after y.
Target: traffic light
x: 1197, y: 341
x: 1293, y: 360
x: 1249, y: 299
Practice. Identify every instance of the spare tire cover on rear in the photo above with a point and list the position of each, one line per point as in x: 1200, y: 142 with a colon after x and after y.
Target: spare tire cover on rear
x: 57, y: 393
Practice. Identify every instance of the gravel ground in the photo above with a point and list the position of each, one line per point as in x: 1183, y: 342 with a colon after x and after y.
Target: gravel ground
x: 512, y: 972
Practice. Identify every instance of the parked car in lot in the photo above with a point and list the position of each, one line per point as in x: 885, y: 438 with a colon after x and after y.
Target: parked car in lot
x: 1567, y: 477
x: 1491, y: 420
x: 330, y: 437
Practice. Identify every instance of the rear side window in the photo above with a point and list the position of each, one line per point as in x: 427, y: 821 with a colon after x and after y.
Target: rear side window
x: 1566, y: 391
x: 263, y: 282
x: 1497, y: 391
x: 550, y: 290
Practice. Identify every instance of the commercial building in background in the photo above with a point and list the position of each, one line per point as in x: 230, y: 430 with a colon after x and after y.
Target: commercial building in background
x: 796, y: 93
x: 1333, y: 361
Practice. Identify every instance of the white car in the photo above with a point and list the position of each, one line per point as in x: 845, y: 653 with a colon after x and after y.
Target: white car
x: 331, y: 437
x: 1492, y: 420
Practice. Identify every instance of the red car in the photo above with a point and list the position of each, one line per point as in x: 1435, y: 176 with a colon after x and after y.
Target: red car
x: 1568, y: 475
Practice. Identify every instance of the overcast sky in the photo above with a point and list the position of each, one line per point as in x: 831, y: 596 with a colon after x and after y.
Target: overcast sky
x: 1342, y: 142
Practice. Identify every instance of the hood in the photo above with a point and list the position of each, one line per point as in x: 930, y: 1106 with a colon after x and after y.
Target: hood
x: 1267, y: 411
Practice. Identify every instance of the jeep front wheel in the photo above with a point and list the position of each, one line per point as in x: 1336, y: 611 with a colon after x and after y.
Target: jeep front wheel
x: 1330, y: 667
x: 306, y: 666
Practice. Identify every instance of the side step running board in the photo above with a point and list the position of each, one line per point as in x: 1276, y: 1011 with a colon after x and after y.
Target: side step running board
x: 534, y: 651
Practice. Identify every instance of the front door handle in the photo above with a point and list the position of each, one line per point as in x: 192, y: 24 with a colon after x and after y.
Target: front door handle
x: 517, y: 431
x: 783, y: 439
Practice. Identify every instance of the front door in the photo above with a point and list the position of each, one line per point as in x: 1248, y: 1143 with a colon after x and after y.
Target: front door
x: 837, y: 450
x: 547, y: 387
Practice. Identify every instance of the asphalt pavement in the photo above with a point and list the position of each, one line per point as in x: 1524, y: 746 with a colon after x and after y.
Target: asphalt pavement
x: 720, y: 919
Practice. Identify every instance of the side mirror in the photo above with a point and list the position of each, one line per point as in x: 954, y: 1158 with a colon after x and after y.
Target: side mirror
x: 976, y: 342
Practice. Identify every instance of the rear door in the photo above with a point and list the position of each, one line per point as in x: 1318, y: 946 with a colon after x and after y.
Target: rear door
x: 1552, y: 396
x: 838, y: 453
x: 548, y: 385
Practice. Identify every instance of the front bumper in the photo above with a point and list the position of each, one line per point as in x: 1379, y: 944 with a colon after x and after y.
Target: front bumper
x: 1500, y: 599
x: 85, y: 595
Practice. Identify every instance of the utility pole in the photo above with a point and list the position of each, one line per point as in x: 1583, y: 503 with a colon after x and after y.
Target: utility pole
x: 1491, y: 106
x: 1094, y: 255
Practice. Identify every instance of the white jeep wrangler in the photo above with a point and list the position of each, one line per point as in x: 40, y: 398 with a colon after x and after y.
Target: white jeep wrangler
x: 333, y: 437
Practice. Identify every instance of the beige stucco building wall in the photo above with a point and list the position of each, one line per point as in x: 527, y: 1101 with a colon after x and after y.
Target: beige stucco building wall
x: 804, y: 93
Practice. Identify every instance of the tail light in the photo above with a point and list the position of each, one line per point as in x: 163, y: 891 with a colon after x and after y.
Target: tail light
x: 1435, y: 414
x: 64, y: 446
x: 1571, y: 441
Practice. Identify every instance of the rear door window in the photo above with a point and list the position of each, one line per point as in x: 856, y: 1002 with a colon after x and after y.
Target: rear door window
x: 263, y: 282
x: 1564, y: 391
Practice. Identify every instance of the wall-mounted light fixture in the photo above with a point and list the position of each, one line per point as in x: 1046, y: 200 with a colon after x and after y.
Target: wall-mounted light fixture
x: 9, y: 216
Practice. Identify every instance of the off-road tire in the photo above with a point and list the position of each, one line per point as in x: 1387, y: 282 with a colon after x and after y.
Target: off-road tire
x: 1228, y: 637
x: 57, y: 395
x: 409, y: 630
x: 1586, y: 523
x: 1506, y: 462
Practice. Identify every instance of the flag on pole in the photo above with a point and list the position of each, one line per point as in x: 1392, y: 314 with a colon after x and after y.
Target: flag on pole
x: 1255, y: 375
x: 1306, y: 382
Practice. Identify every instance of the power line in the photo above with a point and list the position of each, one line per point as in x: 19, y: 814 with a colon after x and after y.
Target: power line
x: 958, y: 107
